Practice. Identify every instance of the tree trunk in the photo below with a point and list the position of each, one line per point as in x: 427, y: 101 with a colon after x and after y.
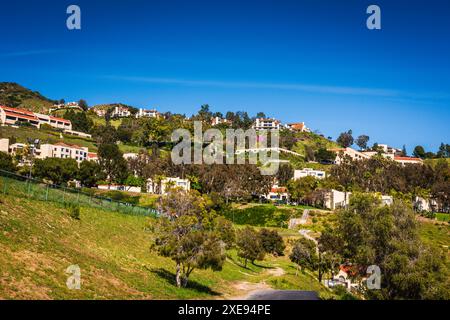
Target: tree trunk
x: 179, y: 276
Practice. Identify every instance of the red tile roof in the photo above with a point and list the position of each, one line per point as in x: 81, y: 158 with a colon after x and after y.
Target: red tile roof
x: 407, y: 159
x: 20, y: 115
x: 16, y: 110
x: 59, y: 119
x: 62, y: 144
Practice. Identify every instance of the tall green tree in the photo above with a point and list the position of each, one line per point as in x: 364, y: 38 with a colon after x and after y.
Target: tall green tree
x: 112, y: 163
x: 362, y: 141
x: 187, y: 233
x: 345, y: 139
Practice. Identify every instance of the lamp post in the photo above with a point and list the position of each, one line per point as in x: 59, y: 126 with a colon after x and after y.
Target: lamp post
x: 33, y: 145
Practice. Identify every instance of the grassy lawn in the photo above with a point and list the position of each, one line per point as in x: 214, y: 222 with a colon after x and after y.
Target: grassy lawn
x: 443, y: 217
x: 39, y: 240
x: 435, y: 234
x: 261, y: 215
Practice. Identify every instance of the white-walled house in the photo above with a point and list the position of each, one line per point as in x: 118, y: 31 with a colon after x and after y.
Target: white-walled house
x: 266, y: 124
x: 63, y: 150
x: 120, y: 112
x: 143, y: 113
x: 277, y: 193
x: 335, y: 199
x: 166, y: 184
x: 4, y: 145
x: 408, y: 160
x: 341, y: 153
x: 306, y: 172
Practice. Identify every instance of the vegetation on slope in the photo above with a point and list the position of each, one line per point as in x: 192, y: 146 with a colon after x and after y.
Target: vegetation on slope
x: 39, y: 240
x: 14, y: 95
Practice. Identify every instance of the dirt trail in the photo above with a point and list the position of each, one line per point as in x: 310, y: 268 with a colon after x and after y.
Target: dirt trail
x: 247, y: 289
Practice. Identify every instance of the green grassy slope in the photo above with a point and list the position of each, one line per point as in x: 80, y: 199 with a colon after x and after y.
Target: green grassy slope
x: 39, y: 240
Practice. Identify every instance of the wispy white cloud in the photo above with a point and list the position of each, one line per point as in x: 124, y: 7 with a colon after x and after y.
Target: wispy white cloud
x: 261, y: 85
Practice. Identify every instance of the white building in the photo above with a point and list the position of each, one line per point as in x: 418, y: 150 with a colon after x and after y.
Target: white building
x: 168, y: 183
x: 341, y: 153
x: 152, y: 113
x: 63, y: 150
x: 266, y: 124
x: 408, y: 160
x: 307, y: 172
x: 337, y: 199
x: 218, y: 120
x: 130, y: 155
x: 277, y: 193
x: 14, y: 116
x: 121, y: 112
x: 4, y: 145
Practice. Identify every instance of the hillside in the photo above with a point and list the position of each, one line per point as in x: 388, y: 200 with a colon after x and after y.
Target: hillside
x: 39, y: 240
x: 14, y: 95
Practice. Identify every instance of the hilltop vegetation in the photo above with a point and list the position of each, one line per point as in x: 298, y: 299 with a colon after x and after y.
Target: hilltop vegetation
x: 14, y: 95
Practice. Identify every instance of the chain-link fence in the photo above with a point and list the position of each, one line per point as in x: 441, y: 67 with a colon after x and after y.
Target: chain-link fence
x: 21, y: 186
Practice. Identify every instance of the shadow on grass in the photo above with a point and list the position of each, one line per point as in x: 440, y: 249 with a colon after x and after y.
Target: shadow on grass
x: 194, y: 285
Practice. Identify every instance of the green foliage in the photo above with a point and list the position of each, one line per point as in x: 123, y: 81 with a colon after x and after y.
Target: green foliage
x: 111, y: 160
x: 80, y: 122
x: 345, y: 139
x: 304, y: 254
x: 387, y: 236
x: 74, y: 210
x: 249, y: 245
x: 261, y: 215
x: 187, y: 233
x: 90, y: 173
x: 272, y: 242
x: 58, y: 171
x: 122, y: 197
x: 6, y: 162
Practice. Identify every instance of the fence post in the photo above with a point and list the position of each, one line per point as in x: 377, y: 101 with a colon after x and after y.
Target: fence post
x: 5, y: 181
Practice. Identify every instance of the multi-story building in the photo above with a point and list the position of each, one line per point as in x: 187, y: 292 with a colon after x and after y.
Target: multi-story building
x: 55, y: 122
x: 63, y: 150
x: 341, y: 153
x: 266, y: 124
x: 121, y: 112
x: 167, y: 184
x: 143, y: 113
x: 307, y: 172
x: 14, y: 116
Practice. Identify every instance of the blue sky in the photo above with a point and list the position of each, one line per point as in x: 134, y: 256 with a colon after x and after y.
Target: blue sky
x: 312, y: 61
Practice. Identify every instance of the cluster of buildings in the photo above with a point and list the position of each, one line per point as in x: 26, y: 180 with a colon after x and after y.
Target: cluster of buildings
x: 384, y: 150
x: 272, y: 124
x: 125, y: 112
